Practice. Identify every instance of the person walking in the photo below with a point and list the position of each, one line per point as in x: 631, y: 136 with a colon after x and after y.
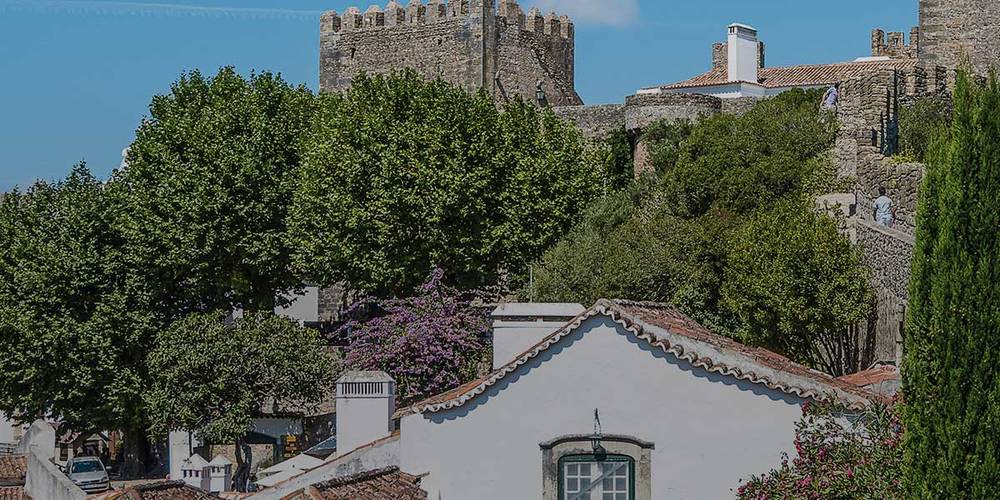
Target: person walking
x: 831, y: 98
x: 884, y: 212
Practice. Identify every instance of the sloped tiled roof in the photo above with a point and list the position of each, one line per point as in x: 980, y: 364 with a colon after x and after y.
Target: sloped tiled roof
x: 876, y: 375
x: 13, y: 469
x: 798, y: 76
x: 163, y: 490
x: 383, y: 484
x: 686, y: 340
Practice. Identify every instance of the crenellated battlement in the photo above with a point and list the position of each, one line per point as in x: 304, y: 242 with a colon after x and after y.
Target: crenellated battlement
x: 492, y: 44
x: 418, y: 13
x: 894, y: 44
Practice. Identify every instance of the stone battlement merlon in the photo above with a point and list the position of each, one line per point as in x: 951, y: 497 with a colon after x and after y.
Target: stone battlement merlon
x: 418, y: 13
x: 894, y: 44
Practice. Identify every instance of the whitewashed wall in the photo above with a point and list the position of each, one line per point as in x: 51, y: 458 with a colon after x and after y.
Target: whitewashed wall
x: 709, y: 431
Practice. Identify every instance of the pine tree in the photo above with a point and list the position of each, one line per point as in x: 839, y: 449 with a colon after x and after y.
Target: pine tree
x: 952, y: 370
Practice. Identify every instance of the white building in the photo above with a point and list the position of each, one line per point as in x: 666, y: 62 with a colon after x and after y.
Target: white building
x: 738, y: 70
x: 683, y: 413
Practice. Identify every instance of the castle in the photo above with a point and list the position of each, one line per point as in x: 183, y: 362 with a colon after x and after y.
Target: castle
x: 470, y: 43
x: 475, y: 44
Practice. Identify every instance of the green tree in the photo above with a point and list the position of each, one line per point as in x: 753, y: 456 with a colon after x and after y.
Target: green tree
x: 798, y: 286
x: 213, y: 378
x: 920, y: 125
x: 204, y: 198
x: 952, y: 364
x: 741, y: 163
x: 74, y: 323
x: 401, y: 174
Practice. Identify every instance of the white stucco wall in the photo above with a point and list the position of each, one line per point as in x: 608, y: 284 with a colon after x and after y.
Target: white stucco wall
x: 709, y: 431
x: 6, y: 430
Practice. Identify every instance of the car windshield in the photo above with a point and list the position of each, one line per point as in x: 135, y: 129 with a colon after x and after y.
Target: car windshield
x: 86, y: 466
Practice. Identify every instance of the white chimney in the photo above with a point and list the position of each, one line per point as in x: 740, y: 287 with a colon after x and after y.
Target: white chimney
x: 517, y: 327
x: 743, y: 53
x: 365, y: 404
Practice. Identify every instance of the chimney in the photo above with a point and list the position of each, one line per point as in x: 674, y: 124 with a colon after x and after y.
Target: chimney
x: 365, y: 404
x: 744, y: 53
x: 517, y: 327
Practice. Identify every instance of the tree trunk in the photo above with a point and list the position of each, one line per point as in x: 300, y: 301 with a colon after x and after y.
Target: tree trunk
x: 137, y: 454
x: 244, y: 458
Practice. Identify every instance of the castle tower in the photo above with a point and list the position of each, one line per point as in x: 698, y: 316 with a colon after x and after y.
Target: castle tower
x: 471, y: 43
x: 950, y: 29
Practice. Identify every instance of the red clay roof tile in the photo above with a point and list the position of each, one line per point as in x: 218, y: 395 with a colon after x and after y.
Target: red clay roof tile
x: 798, y: 76
x: 383, y: 484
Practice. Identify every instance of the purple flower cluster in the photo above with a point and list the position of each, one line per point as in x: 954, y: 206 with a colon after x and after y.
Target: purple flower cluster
x: 431, y: 342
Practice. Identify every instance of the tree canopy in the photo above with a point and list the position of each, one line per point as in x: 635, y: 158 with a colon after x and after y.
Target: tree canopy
x: 73, y: 328
x: 401, y: 174
x: 952, y: 362
x: 203, y: 201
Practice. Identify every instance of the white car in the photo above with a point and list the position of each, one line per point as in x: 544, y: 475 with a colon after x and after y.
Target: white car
x: 89, y: 474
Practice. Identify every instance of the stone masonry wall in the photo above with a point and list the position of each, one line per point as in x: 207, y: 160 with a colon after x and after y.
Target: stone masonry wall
x: 888, y: 254
x: 465, y: 42
x: 950, y: 28
x: 594, y: 121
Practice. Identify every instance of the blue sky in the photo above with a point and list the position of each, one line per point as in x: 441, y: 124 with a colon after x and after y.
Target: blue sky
x: 76, y: 76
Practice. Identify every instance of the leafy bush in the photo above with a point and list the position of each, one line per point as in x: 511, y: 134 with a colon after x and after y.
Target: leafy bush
x: 922, y: 123
x: 672, y: 239
x: 664, y: 139
x: 431, y: 342
x: 797, y: 286
x: 837, y: 460
x: 741, y: 163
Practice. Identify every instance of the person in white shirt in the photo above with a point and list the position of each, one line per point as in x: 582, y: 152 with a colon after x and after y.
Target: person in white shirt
x: 831, y: 98
x: 884, y: 212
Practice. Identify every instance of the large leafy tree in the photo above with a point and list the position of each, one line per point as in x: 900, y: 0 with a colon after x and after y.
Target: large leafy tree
x: 401, y: 174
x: 722, y: 183
x: 430, y: 342
x: 214, y: 377
x: 952, y: 367
x: 797, y: 286
x: 74, y: 325
x: 204, y: 197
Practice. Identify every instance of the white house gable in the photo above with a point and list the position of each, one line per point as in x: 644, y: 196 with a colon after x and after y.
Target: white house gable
x: 704, y: 431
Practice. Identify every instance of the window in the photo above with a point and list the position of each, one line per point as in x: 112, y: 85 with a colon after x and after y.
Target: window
x: 584, y: 477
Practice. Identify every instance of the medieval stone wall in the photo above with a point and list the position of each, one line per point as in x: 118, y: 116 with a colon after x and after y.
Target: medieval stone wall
x: 951, y: 28
x: 533, y: 49
x: 595, y: 121
x: 465, y: 42
x: 888, y: 254
x: 895, y: 46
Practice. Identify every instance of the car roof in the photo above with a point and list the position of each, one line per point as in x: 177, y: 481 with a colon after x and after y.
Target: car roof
x: 85, y: 459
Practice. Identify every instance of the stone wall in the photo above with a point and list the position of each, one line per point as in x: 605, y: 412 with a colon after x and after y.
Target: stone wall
x: 465, y: 42
x: 888, y: 254
x: 642, y: 110
x: 594, y: 121
x: 895, y: 45
x: 951, y: 28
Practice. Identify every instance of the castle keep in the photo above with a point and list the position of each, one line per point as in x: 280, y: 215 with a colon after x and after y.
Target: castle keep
x: 950, y: 29
x: 471, y: 43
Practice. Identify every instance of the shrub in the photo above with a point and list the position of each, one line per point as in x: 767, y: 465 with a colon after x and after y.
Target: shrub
x: 922, y: 123
x: 429, y: 343
x: 836, y: 459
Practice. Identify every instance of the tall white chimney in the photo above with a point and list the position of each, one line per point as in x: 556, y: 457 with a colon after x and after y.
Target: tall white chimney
x: 743, y: 53
x: 519, y: 326
x: 365, y: 404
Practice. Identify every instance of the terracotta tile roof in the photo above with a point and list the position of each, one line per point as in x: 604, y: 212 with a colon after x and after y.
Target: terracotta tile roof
x: 12, y: 493
x: 873, y: 376
x: 382, y: 484
x: 686, y: 340
x: 798, y: 76
x: 13, y: 469
x: 163, y: 490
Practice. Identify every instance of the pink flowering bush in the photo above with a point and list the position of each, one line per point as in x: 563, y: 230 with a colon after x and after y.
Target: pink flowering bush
x: 431, y: 342
x: 858, y: 460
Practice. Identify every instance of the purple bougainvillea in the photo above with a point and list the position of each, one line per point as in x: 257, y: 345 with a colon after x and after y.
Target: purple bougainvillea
x: 431, y: 342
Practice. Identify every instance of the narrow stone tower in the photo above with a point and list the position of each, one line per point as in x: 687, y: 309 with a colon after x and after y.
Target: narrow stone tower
x: 952, y: 29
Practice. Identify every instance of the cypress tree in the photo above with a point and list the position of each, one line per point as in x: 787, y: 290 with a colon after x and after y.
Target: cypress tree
x: 952, y: 368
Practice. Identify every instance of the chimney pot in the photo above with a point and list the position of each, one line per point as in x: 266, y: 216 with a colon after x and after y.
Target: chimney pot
x: 365, y: 404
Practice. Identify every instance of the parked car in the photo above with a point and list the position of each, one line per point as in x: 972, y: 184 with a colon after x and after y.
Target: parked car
x: 89, y: 474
